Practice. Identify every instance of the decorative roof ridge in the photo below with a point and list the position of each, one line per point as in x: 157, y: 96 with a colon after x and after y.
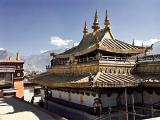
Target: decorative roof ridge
x: 83, y: 39
x: 128, y: 43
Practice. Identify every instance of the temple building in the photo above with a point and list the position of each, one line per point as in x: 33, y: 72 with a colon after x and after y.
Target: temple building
x: 11, y: 77
x: 101, y: 72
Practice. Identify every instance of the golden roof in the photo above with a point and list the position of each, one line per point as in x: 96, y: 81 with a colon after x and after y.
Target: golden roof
x: 81, y: 81
x: 102, y: 40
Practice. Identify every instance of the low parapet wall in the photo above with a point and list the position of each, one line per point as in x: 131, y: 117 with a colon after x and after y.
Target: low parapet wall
x: 94, y: 67
x: 151, y: 67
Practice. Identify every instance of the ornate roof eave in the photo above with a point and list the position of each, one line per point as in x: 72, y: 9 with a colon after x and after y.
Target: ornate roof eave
x: 113, y: 81
x: 149, y: 48
x: 100, y: 47
x: 63, y: 84
x: 85, y: 51
x: 63, y: 56
x: 125, y: 51
x: 84, y: 84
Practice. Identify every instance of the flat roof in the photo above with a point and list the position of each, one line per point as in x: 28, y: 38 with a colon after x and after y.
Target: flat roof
x: 11, y: 61
x: 155, y: 118
x: 14, y: 108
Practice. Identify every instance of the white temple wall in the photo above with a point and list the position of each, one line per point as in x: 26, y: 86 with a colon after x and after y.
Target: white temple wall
x: 42, y: 94
x: 129, y: 99
x: 137, y: 97
x: 28, y: 94
x: 78, y: 98
x: 109, y: 101
x: 149, y: 98
x: 55, y: 93
x: 89, y: 100
x: 64, y: 95
x: 75, y: 98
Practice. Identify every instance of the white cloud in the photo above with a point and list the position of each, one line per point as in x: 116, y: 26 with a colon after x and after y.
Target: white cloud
x: 43, y: 51
x: 76, y: 44
x: 2, y: 49
x: 146, y: 43
x: 59, y: 42
x: 151, y: 41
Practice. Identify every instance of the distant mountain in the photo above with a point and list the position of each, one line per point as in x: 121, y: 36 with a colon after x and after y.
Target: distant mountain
x: 156, y: 49
x: 37, y: 63
x: 4, y: 55
x: 33, y: 63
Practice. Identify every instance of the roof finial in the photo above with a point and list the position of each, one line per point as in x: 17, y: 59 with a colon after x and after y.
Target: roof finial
x: 85, y: 29
x: 142, y: 44
x: 95, y: 26
x: 107, y: 21
x: 133, y: 42
x: 17, y: 56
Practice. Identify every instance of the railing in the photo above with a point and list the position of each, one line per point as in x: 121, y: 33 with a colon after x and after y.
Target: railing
x: 105, y: 58
x: 95, y: 58
x: 149, y: 58
x: 87, y: 59
x: 112, y: 58
x: 5, y: 82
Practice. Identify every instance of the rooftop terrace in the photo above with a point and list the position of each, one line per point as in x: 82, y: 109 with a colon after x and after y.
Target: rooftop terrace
x: 16, y: 109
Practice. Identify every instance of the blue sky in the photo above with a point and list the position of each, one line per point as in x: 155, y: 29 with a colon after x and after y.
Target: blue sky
x: 27, y: 26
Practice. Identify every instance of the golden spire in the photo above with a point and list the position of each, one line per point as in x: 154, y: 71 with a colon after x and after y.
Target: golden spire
x: 133, y: 42
x: 17, y: 56
x: 107, y: 21
x: 85, y: 29
x: 95, y: 26
x: 142, y: 44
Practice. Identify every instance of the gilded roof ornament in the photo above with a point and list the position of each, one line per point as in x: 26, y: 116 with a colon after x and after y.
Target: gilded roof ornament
x: 85, y: 30
x: 107, y: 21
x: 142, y: 44
x: 133, y: 43
x: 17, y: 56
x: 95, y: 26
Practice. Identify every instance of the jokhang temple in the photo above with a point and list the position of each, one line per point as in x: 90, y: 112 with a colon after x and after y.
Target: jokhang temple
x: 102, y: 72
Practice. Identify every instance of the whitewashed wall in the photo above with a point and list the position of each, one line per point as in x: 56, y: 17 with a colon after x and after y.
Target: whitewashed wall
x: 149, y: 98
x: 129, y: 99
x: 42, y: 94
x: 28, y: 94
x: 89, y: 100
x: 109, y: 101
x: 75, y: 98
x: 137, y: 97
x: 112, y: 100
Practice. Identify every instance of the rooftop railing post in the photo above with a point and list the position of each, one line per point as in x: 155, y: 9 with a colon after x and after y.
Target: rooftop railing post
x: 152, y: 109
x: 109, y: 112
x: 126, y: 102
x: 134, y: 112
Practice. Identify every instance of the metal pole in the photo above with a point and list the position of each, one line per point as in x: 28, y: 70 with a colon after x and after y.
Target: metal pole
x: 125, y: 92
x: 109, y: 112
x: 152, y: 111
x: 142, y: 96
x: 133, y: 106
